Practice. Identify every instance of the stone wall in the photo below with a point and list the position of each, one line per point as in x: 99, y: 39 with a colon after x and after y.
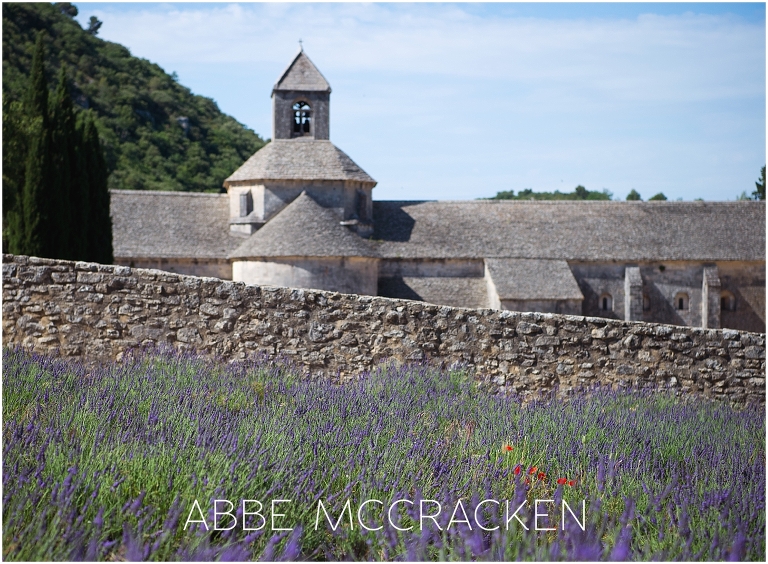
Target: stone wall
x: 217, y: 268
x: 98, y: 312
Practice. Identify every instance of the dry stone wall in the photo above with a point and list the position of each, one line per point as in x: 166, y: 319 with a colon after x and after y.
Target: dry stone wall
x: 98, y: 312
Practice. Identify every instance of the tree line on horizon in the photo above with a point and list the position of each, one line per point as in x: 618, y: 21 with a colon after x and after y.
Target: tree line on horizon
x: 55, y: 195
x: 581, y: 193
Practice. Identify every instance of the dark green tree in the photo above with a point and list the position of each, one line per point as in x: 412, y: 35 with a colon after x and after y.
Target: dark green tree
x: 99, y: 222
x: 63, y: 152
x: 660, y: 197
x: 36, y: 208
x: 55, y: 196
x: 634, y: 196
x: 581, y: 192
x: 759, y: 193
x: 67, y: 9
x: 80, y: 192
x: 15, y: 147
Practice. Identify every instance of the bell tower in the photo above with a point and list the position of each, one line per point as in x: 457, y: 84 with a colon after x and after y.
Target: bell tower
x: 300, y: 158
x: 301, y: 102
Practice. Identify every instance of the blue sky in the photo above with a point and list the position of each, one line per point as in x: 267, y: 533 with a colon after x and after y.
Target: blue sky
x: 460, y: 101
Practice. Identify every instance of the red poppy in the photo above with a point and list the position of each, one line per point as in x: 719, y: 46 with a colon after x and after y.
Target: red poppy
x: 571, y: 483
x: 562, y: 481
x: 532, y: 470
x: 542, y: 475
x: 517, y: 470
x: 508, y: 447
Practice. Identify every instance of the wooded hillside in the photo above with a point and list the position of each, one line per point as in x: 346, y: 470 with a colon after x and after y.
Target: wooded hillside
x: 156, y: 134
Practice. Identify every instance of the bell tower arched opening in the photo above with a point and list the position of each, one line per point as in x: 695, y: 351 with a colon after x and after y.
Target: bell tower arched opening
x: 302, y: 119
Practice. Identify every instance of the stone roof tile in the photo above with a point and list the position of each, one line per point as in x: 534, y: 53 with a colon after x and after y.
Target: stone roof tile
x: 450, y: 291
x: 302, y: 74
x: 302, y: 158
x: 304, y: 229
x: 595, y: 231
x: 533, y: 279
x: 150, y: 224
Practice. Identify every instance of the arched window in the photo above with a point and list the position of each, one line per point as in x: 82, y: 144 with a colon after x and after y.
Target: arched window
x: 727, y: 301
x: 302, y: 118
x: 606, y: 302
x: 681, y: 301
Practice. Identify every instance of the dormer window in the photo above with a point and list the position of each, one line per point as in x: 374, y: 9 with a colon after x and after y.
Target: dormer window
x: 302, y: 118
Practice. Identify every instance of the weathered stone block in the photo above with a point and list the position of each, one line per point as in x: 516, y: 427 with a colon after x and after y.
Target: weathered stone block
x: 525, y: 328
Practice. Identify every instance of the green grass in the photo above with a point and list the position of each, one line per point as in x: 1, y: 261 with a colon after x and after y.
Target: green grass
x: 133, y: 445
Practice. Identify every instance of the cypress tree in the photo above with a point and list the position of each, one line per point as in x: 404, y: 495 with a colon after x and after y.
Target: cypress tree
x: 36, y: 96
x: 99, y: 221
x: 81, y: 198
x: 63, y: 161
x: 15, y: 147
x: 55, y: 196
x: 36, y: 209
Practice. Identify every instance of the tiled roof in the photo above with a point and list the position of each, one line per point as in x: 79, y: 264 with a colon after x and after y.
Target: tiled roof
x: 304, y: 229
x: 153, y: 224
x: 456, y: 292
x: 533, y: 279
x: 625, y: 231
x: 302, y: 74
x: 302, y: 158
x: 187, y: 225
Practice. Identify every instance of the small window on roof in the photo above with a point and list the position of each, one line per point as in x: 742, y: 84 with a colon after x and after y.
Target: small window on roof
x: 681, y: 301
x: 302, y: 118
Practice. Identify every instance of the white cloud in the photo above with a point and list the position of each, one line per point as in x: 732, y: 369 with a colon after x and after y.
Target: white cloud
x: 606, y: 98
x: 656, y: 56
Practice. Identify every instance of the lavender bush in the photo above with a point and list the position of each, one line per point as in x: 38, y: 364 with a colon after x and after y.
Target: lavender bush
x: 106, y: 463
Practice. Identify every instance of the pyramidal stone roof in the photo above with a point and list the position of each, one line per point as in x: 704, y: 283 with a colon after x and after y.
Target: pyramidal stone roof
x: 302, y: 158
x: 303, y: 229
x: 302, y: 74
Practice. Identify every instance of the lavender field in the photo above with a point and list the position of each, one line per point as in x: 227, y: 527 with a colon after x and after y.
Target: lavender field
x: 124, y: 462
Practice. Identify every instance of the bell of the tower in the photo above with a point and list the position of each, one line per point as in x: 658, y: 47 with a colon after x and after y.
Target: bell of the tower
x: 301, y: 102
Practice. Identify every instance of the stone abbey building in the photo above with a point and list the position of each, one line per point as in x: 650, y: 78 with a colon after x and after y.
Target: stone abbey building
x: 300, y: 213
